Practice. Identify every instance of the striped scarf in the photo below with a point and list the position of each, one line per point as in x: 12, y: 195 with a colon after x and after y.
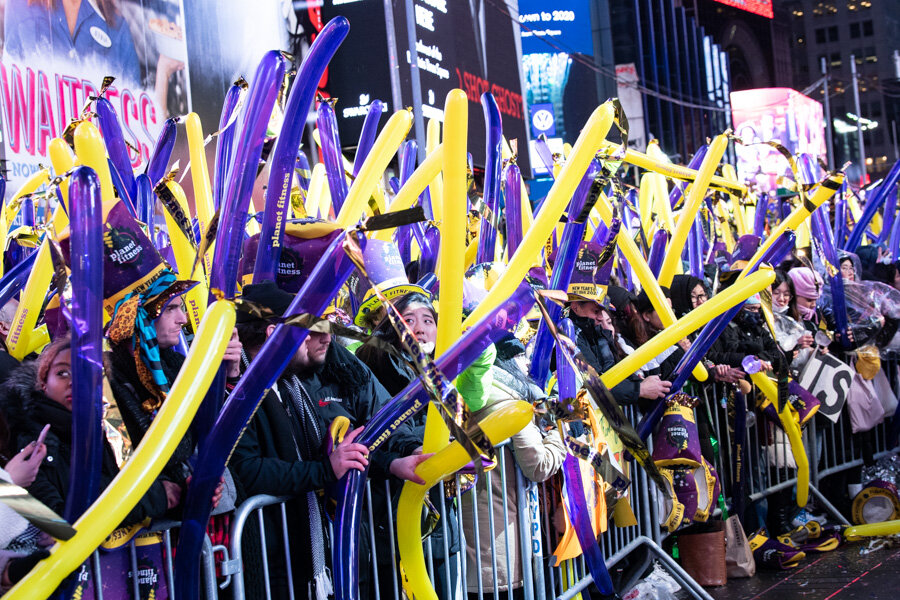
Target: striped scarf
x: 131, y: 319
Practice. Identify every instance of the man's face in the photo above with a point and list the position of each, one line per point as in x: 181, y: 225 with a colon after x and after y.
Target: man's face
x: 169, y: 323
x: 588, y: 310
x: 312, y: 351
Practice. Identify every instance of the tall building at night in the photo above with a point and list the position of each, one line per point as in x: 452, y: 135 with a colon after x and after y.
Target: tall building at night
x: 832, y: 31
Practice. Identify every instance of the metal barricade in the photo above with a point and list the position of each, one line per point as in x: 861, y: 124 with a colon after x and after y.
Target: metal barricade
x: 93, y: 570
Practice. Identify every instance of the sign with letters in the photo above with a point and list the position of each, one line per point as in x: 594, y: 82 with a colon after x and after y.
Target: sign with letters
x: 828, y: 379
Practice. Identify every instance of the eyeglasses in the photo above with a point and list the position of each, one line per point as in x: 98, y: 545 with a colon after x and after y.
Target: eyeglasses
x: 699, y: 297
x: 848, y: 269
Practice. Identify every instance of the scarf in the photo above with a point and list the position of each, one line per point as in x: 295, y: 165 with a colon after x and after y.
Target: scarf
x: 312, y: 438
x: 133, y: 319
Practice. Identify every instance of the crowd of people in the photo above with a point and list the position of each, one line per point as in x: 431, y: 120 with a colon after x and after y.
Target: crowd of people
x: 288, y: 450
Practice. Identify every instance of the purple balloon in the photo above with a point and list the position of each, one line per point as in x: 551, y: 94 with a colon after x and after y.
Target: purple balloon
x: 573, y: 234
x: 576, y: 504
x: 759, y: 222
x: 116, y: 147
x: 119, y: 186
x: 284, y: 155
x: 86, y: 322
x: 694, y: 249
x: 225, y: 145
x: 367, y: 135
x: 492, y: 328
x: 165, y: 143
x: 544, y: 153
x: 403, y: 234
x: 487, y: 241
x: 331, y: 154
x: 873, y: 203
x: 239, y: 186
x: 840, y: 216
x: 146, y: 200
x: 329, y: 274
x: 429, y: 255
x: 512, y: 180
x: 658, y: 251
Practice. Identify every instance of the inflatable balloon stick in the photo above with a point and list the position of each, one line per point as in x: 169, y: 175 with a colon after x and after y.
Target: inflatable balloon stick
x: 502, y: 423
x: 576, y: 505
x: 383, y: 151
x: 493, y: 160
x: 63, y: 159
x: 23, y: 338
x: 436, y: 185
x: 819, y: 194
x: 791, y: 427
x: 740, y: 221
x: 367, y: 135
x: 639, y: 159
x: 874, y: 200
x: 332, y: 155
x: 284, y: 155
x: 92, y: 153
x: 116, y: 148
x: 643, y: 273
x: 417, y: 183
x: 451, y: 256
x: 590, y: 139
x: 885, y: 528
x: 203, y: 198
x: 686, y: 325
x: 512, y: 179
x: 692, y: 204
x: 148, y: 460
x: 87, y: 341
x: 196, y: 298
x: 318, y: 199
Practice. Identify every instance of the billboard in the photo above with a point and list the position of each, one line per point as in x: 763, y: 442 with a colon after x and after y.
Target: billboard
x: 466, y: 45
x: 54, y: 60
x: 783, y: 115
x: 762, y: 8
x: 565, y: 26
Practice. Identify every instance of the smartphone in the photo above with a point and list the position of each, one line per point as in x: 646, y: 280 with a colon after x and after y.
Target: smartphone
x: 43, y: 435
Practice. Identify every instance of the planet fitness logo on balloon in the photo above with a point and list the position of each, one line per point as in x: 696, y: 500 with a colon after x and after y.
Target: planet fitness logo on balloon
x: 290, y: 264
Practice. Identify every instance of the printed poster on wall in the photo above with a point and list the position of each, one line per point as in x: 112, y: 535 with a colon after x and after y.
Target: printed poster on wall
x: 55, y: 58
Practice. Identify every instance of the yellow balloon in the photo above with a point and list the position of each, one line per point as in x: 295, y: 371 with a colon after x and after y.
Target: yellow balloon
x: 7, y: 214
x: 729, y: 173
x: 203, y: 200
x: 318, y: 200
x: 642, y: 272
x: 724, y: 227
x: 822, y: 192
x: 691, y: 205
x: 792, y: 429
x: 660, y: 190
x: 63, y: 160
x: 592, y: 135
x: 686, y: 325
x: 639, y: 159
x: 376, y: 162
x: 132, y: 482
x: 436, y: 185
x: 23, y: 338
x: 504, y: 422
x: 194, y: 300
x: 414, y: 186
x: 645, y: 202
x: 92, y: 153
x: 851, y: 534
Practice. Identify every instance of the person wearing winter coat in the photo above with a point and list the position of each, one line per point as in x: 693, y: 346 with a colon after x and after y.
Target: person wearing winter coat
x: 38, y: 394
x: 539, y: 455
x: 282, y: 451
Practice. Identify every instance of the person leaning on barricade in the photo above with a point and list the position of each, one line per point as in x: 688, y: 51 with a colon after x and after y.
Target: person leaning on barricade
x: 282, y: 451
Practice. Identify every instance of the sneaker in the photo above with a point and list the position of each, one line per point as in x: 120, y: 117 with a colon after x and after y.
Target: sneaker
x: 772, y: 554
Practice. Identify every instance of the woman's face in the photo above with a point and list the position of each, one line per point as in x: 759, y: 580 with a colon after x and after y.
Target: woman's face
x: 605, y: 321
x: 698, y: 296
x: 781, y: 295
x: 421, y: 320
x: 848, y: 271
x: 809, y: 303
x: 58, y: 386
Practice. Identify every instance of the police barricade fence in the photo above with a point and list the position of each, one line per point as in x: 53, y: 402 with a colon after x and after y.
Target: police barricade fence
x: 152, y: 581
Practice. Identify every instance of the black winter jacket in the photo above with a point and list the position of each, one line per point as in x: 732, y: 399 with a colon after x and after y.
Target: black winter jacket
x: 596, y: 346
x: 27, y: 411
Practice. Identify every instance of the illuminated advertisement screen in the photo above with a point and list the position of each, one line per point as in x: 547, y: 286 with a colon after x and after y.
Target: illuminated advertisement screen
x: 48, y: 75
x: 757, y: 7
x: 465, y: 45
x: 782, y: 115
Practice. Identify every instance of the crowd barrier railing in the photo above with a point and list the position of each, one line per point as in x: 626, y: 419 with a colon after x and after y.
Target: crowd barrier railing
x: 500, y: 548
